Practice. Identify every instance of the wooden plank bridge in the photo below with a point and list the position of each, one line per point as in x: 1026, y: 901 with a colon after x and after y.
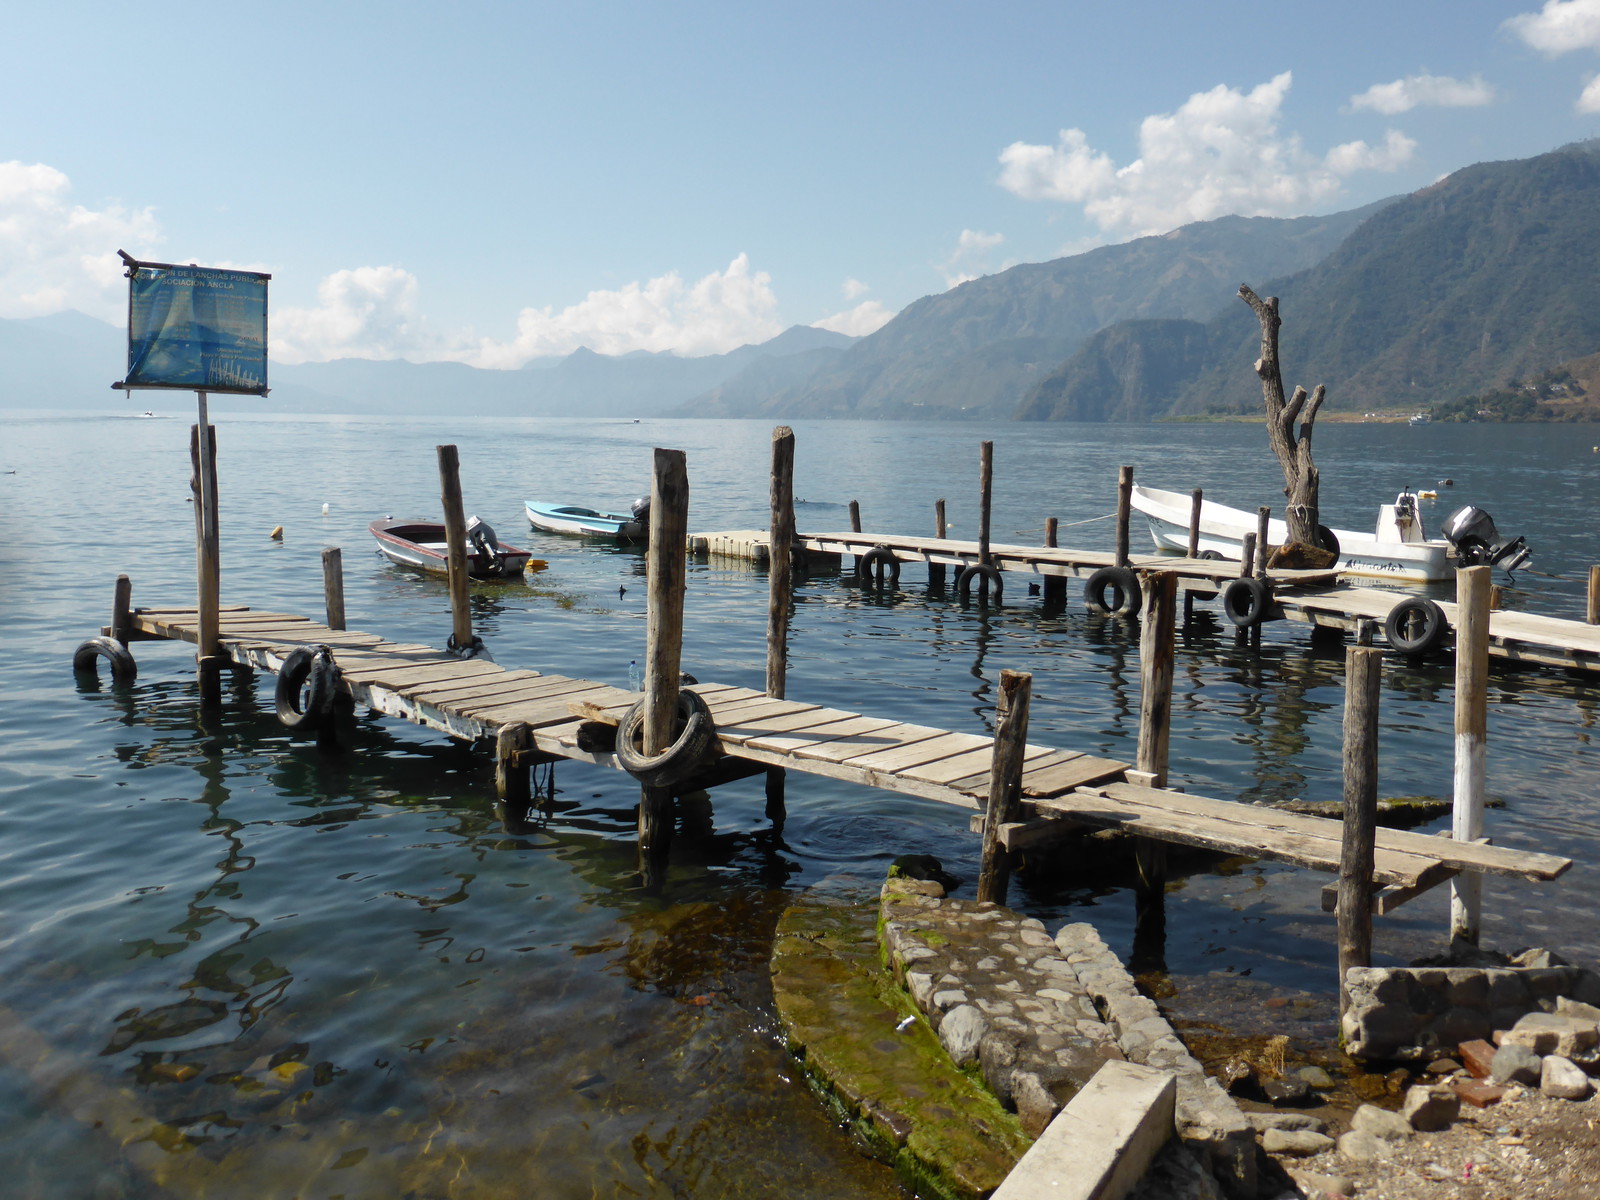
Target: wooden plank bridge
x: 1062, y: 790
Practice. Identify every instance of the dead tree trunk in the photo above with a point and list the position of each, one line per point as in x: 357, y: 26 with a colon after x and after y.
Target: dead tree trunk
x: 1300, y: 478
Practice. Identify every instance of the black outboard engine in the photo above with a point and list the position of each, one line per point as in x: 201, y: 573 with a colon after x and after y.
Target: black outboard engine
x: 640, y: 509
x: 1472, y: 532
x: 480, y: 536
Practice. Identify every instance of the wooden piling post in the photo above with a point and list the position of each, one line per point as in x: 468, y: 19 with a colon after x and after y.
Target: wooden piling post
x: 985, y: 495
x: 1055, y: 586
x: 668, y: 546
x: 122, y: 609
x: 333, y: 585
x: 1156, y: 659
x: 1594, y: 596
x: 1005, y: 783
x: 455, y: 534
x: 1263, y: 520
x: 780, y: 588
x: 855, y: 516
x: 936, y: 570
x: 1124, y: 512
x: 1363, y: 674
x: 1196, y: 498
x: 1471, y: 727
x: 510, y: 775
x: 1247, y: 557
x: 208, y: 652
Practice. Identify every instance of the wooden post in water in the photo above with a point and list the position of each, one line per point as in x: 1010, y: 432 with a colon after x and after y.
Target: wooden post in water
x: 1055, y: 586
x: 1195, y: 500
x: 1005, y: 783
x: 663, y: 660
x: 333, y: 585
x: 1363, y: 673
x: 455, y: 536
x: 985, y: 493
x: 1156, y: 658
x: 510, y: 773
x: 1124, y: 512
x: 1594, y: 595
x: 936, y: 570
x: 780, y: 589
x: 208, y: 653
x: 1247, y: 557
x: 1472, y: 725
x: 1263, y: 520
x: 121, y: 610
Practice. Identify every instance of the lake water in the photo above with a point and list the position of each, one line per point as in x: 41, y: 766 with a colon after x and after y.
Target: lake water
x: 231, y: 964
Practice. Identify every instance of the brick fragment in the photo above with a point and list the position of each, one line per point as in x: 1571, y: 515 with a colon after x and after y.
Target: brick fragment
x: 1477, y: 1093
x: 1476, y: 1056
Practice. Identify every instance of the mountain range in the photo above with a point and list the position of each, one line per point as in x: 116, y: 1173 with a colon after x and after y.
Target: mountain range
x: 1458, y: 289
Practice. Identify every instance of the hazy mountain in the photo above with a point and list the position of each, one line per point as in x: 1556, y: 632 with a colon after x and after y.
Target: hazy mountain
x: 1453, y: 290
x: 70, y: 360
x: 978, y: 348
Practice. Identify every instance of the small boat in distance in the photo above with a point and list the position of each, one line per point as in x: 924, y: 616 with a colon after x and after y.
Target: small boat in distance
x: 421, y: 543
x: 1397, y: 549
x: 1421, y: 418
x: 576, y: 521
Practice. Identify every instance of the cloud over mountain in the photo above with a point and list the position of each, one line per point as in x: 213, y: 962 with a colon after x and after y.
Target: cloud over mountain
x: 1221, y: 152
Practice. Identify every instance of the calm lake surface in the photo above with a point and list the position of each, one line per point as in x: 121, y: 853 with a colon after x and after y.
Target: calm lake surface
x: 231, y: 964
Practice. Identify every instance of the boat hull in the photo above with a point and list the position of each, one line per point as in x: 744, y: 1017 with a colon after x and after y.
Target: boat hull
x: 422, y: 544
x: 1222, y: 532
x: 575, y: 521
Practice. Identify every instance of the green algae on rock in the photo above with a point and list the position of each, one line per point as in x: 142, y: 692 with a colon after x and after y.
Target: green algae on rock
x: 844, y: 1018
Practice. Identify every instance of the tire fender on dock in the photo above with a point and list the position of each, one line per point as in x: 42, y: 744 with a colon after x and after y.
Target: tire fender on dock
x: 86, y: 656
x: 311, y: 668
x: 1113, y: 590
x: 696, y: 732
x: 1416, y: 626
x: 1245, y: 601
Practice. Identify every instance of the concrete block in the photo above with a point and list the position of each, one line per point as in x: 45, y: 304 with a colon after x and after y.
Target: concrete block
x: 1102, y: 1143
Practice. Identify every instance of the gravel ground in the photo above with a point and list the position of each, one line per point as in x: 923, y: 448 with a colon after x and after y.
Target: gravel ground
x: 1527, y: 1147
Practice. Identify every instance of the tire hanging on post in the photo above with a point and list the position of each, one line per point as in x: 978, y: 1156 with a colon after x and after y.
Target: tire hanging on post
x: 1245, y: 601
x: 86, y: 656
x: 876, y: 563
x: 695, y: 735
x: 1114, y: 591
x: 1416, y: 626
x: 311, y: 668
x: 993, y: 586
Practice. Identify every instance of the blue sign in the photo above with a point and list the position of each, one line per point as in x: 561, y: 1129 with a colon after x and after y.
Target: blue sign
x: 203, y: 328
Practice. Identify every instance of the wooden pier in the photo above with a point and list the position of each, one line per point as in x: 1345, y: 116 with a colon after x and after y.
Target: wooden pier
x: 1316, y: 598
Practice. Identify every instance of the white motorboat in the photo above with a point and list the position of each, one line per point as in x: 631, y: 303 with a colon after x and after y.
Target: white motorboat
x: 1398, y: 548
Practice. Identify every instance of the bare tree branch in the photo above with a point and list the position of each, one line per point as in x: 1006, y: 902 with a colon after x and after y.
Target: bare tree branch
x: 1301, y: 480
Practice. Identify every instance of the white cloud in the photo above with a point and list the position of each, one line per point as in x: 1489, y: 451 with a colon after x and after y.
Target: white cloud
x: 367, y: 312
x: 723, y: 310
x: 1589, y: 101
x: 1221, y: 152
x: 853, y: 288
x: 1437, y: 91
x: 970, y: 258
x: 1560, y: 26
x: 867, y: 317
x: 55, y: 254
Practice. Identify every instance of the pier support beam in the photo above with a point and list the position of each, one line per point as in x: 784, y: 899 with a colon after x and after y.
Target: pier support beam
x: 1196, y: 499
x: 510, y: 767
x: 455, y: 533
x: 1363, y: 674
x: 1005, y: 783
x: 333, y: 585
x: 121, y: 628
x: 1156, y: 662
x: 936, y: 570
x: 1055, y: 586
x: 780, y: 589
x: 1471, y: 726
x: 1124, y: 512
x: 668, y: 548
x: 208, y: 653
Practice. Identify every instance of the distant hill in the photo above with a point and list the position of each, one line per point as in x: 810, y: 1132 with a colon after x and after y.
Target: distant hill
x: 70, y: 360
x: 977, y: 349
x: 1483, y: 277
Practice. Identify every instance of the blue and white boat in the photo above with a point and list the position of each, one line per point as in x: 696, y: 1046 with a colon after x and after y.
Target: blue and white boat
x: 577, y: 521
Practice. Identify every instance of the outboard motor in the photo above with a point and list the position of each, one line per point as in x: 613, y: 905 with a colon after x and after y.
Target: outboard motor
x: 640, y: 509
x: 1472, y: 532
x: 480, y: 536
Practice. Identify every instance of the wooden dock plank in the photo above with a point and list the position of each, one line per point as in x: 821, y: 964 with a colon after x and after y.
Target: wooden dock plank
x: 902, y: 758
x: 1477, y: 856
x: 396, y: 679
x: 474, y: 687
x: 503, y: 710
x: 549, y: 710
x: 1318, y: 850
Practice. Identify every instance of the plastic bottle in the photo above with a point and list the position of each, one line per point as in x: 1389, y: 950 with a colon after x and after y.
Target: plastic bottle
x: 635, y: 681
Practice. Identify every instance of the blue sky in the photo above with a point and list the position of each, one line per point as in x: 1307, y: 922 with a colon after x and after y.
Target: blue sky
x: 493, y: 182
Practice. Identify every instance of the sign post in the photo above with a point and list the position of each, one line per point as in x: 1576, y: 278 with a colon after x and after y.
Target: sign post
x: 200, y: 329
